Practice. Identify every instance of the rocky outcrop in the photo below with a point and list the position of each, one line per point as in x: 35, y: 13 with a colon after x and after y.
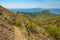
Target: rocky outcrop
x: 5, y: 33
x: 8, y: 29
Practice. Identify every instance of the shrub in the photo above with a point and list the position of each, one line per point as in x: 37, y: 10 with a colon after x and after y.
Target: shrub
x: 54, y: 32
x: 30, y: 38
x: 33, y: 27
x: 18, y: 23
x: 6, y: 16
x: 11, y: 28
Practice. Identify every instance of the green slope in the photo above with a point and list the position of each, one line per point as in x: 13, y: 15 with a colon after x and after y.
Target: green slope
x: 42, y: 14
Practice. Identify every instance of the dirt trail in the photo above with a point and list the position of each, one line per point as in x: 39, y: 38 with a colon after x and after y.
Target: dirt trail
x: 18, y: 34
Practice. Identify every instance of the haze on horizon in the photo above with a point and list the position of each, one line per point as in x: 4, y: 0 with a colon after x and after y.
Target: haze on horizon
x: 30, y: 3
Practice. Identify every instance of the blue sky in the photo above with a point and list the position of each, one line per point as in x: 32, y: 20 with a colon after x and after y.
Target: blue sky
x: 30, y: 3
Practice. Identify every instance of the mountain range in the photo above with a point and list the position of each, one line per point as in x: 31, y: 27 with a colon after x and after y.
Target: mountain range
x: 56, y: 11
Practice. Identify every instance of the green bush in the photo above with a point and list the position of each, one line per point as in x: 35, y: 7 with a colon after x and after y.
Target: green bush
x: 18, y: 23
x: 6, y: 16
x: 33, y: 27
x: 11, y: 28
x: 54, y: 32
x: 30, y: 38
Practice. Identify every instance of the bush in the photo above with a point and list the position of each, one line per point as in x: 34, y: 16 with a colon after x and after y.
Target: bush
x: 33, y: 27
x: 18, y: 23
x: 54, y: 32
x: 11, y: 28
x: 30, y: 38
x: 5, y: 16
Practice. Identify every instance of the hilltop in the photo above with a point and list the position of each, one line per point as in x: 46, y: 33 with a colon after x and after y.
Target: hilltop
x: 17, y: 26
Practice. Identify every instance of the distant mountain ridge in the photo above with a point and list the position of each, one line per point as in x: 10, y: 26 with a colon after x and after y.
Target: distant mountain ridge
x: 27, y: 10
x: 56, y: 11
x: 43, y: 14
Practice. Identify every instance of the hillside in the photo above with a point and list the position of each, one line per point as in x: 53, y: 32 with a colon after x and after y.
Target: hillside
x: 17, y: 26
x: 43, y: 14
x: 8, y: 28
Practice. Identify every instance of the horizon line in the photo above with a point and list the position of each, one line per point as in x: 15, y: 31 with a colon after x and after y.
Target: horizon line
x: 29, y: 8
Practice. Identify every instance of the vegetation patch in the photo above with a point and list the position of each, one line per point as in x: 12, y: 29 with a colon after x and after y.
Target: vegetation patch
x: 54, y: 32
x: 33, y: 27
x: 18, y: 23
x: 11, y: 28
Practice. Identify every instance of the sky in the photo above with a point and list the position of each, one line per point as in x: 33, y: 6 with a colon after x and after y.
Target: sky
x: 30, y: 3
